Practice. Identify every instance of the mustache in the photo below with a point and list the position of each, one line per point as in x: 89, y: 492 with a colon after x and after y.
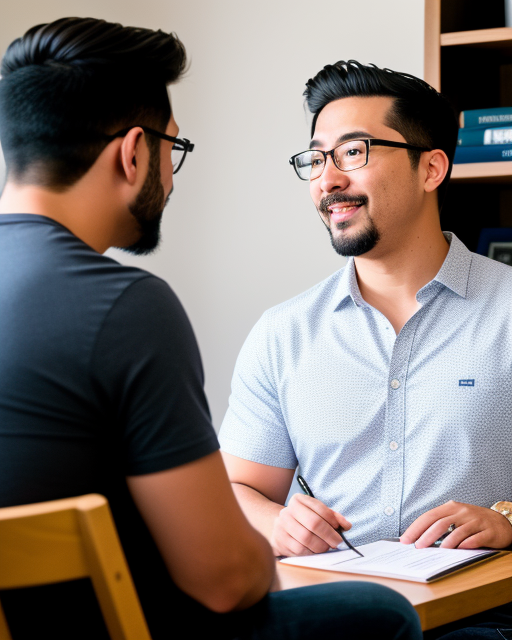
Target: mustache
x: 340, y: 198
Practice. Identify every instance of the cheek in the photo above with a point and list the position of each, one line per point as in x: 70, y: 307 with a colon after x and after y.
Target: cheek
x: 166, y: 174
x: 315, y: 192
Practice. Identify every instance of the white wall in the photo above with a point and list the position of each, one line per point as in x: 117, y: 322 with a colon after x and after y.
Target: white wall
x: 240, y: 232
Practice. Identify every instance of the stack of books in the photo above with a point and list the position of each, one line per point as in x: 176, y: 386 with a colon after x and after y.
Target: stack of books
x: 485, y: 135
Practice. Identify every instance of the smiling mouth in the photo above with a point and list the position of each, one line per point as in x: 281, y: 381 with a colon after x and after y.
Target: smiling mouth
x: 341, y: 213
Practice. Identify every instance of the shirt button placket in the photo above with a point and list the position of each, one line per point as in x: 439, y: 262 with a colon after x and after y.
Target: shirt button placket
x: 393, y: 476
x: 393, y: 472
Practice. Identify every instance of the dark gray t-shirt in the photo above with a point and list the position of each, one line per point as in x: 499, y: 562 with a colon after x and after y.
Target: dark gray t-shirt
x: 100, y: 378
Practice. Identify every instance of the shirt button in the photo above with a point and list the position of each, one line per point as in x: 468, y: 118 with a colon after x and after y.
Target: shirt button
x: 393, y: 445
x: 389, y: 511
x: 395, y: 383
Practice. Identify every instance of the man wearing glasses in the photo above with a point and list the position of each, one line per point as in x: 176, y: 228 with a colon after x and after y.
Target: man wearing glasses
x: 380, y: 382
x: 101, y: 380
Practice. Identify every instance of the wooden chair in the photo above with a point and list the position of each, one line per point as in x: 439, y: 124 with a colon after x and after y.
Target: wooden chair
x: 64, y: 540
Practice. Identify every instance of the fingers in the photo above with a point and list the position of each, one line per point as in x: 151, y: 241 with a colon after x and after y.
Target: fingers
x: 475, y: 541
x: 423, y: 524
x: 433, y: 533
x: 464, y: 537
x: 342, y: 521
x: 475, y: 527
x: 307, y: 526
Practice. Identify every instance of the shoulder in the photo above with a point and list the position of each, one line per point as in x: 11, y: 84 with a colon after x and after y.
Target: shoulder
x: 286, y: 328
x: 308, y: 306
x: 106, y: 284
x: 489, y: 278
x: 147, y: 304
x: 482, y: 264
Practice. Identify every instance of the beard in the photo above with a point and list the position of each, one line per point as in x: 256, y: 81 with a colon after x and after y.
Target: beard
x: 355, y: 245
x: 148, y: 208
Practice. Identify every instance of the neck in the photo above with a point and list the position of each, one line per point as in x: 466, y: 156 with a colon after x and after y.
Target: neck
x: 88, y: 208
x: 390, y: 277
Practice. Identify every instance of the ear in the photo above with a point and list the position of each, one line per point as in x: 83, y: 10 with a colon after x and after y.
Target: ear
x: 131, y: 153
x: 436, y: 166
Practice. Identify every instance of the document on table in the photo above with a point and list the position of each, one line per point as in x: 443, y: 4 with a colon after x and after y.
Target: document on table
x: 395, y: 560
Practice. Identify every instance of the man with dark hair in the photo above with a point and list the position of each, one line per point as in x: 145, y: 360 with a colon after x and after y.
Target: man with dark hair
x: 101, y: 380
x: 384, y: 384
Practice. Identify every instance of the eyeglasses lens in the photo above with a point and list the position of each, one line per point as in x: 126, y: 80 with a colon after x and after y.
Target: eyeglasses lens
x: 348, y: 156
x: 177, y: 156
x: 351, y: 155
x: 309, y: 164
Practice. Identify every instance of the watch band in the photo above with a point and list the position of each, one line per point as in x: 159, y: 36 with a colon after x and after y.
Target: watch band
x: 505, y: 508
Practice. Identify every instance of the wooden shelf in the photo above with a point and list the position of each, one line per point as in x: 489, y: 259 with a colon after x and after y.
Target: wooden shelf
x: 483, y: 172
x: 468, y: 57
x: 491, y: 38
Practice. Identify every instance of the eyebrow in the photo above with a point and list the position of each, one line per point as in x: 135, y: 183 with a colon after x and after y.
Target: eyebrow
x: 352, y: 135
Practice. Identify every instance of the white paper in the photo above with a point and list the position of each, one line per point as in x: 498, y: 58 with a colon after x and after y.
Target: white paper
x: 392, y: 560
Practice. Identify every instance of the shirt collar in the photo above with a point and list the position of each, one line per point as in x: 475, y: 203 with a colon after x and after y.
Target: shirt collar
x: 348, y: 287
x: 454, y: 274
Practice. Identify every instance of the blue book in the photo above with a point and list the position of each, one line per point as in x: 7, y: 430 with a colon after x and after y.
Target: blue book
x: 475, y: 136
x: 483, y: 153
x: 495, y: 117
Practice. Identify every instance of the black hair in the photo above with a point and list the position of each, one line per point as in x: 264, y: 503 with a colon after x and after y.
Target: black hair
x: 422, y: 115
x: 66, y: 85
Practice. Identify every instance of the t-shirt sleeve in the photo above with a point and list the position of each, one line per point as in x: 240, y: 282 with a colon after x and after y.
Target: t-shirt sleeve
x: 147, y: 369
x: 254, y: 427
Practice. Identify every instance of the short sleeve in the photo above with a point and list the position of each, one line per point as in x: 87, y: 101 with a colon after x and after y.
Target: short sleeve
x: 254, y: 428
x: 147, y: 371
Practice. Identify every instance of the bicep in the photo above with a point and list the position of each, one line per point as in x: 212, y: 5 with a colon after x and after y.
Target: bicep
x: 272, y: 482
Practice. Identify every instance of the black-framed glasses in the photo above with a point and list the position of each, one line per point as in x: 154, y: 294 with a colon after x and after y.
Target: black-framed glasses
x: 347, y: 156
x: 180, y: 148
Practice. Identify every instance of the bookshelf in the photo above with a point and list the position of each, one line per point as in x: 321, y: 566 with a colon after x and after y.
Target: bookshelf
x: 468, y: 56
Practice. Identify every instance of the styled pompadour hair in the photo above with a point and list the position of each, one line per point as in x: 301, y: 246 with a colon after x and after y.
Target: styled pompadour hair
x: 66, y: 85
x: 422, y: 115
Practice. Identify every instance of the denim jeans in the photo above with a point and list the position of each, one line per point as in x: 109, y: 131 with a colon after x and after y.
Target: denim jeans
x: 339, y: 610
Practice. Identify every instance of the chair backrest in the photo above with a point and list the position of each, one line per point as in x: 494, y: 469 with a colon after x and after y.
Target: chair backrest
x: 68, y: 539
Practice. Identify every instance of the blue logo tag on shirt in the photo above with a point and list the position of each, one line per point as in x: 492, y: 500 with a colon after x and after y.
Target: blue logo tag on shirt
x: 466, y: 383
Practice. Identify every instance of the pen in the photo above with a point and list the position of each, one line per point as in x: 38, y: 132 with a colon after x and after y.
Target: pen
x: 304, y: 486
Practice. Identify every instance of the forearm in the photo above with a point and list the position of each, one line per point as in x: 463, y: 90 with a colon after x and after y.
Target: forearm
x: 258, y: 509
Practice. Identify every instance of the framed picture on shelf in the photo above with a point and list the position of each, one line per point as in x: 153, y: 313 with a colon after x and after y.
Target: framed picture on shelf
x: 501, y: 251
x: 496, y: 243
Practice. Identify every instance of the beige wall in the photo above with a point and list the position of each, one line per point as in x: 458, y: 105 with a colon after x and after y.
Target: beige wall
x: 240, y: 233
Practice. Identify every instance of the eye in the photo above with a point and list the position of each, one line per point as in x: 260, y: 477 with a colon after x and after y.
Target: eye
x: 352, y: 152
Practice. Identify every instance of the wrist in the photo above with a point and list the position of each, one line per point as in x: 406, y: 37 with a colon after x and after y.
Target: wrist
x: 505, y: 508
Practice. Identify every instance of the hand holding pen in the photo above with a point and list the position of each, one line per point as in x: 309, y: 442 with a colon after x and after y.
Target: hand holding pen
x: 305, y: 526
x: 304, y: 486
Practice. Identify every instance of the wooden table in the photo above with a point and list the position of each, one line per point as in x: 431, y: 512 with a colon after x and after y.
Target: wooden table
x: 469, y: 591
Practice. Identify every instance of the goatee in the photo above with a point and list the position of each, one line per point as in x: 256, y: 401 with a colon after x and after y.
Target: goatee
x: 355, y: 245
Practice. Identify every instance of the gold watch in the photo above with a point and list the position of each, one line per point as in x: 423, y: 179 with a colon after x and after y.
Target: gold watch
x: 505, y: 508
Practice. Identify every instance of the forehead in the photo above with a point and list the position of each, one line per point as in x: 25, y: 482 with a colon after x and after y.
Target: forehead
x: 358, y: 115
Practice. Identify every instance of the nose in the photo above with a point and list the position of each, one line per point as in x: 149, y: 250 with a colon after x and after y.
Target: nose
x: 332, y: 178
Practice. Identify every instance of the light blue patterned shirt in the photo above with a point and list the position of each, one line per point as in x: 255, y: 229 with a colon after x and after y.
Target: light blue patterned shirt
x: 384, y: 427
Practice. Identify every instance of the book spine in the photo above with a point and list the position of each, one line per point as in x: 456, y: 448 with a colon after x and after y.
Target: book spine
x: 483, y: 153
x: 486, y: 117
x: 474, y: 137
